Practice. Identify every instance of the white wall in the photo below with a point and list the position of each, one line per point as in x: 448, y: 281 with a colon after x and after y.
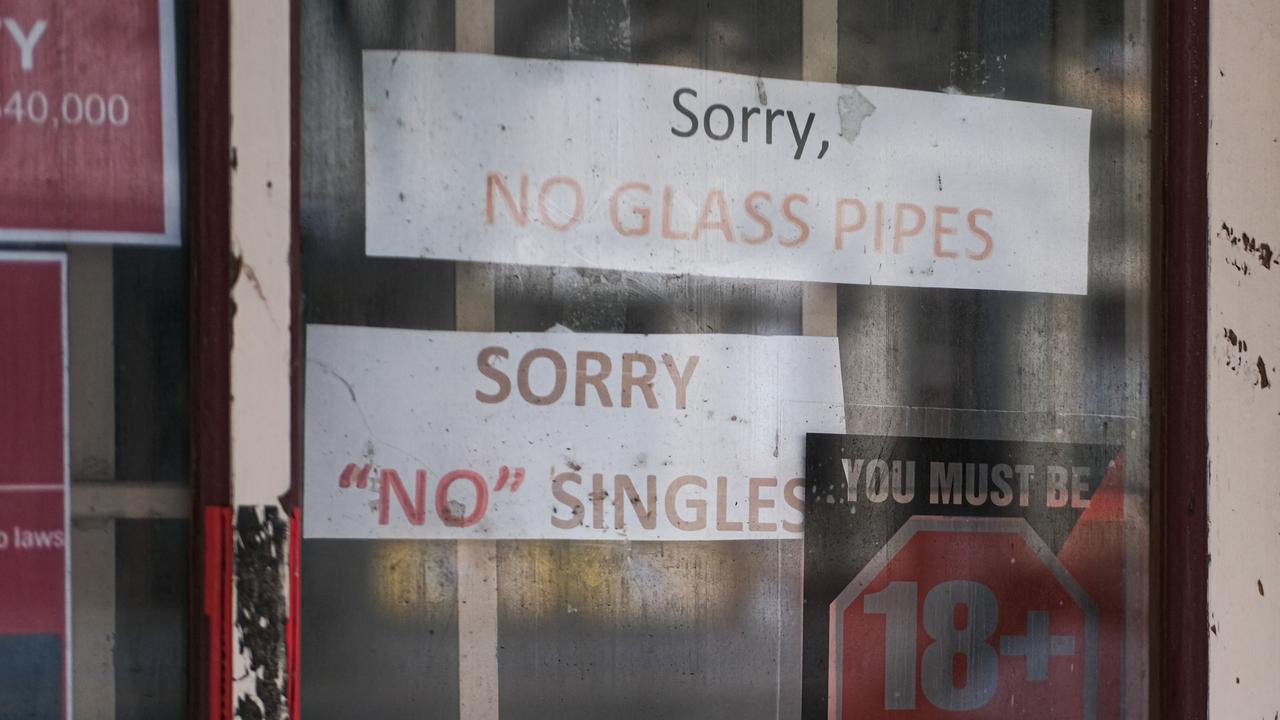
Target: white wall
x: 1244, y: 414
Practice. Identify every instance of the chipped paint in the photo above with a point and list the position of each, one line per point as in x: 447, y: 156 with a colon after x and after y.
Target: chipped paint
x: 1248, y: 244
x: 1244, y: 410
x: 261, y: 613
x: 261, y: 363
x: 1238, y: 359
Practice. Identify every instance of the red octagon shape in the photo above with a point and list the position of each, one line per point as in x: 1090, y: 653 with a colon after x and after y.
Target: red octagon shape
x: 1041, y: 669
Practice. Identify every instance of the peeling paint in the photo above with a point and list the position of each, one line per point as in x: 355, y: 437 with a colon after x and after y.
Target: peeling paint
x: 1240, y: 361
x: 261, y: 612
x: 1242, y: 267
x: 1249, y: 244
x: 246, y: 270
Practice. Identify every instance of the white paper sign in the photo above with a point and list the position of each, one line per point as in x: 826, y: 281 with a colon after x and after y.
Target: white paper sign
x: 415, y: 434
x: 671, y: 170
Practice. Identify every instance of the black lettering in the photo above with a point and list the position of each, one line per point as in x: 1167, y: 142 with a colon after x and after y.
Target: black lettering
x: 795, y: 130
x: 768, y: 124
x: 747, y: 112
x: 693, y: 119
x: 728, y: 116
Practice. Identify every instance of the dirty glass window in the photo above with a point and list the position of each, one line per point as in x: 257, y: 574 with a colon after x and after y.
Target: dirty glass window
x: 622, y: 396
x: 130, y: 496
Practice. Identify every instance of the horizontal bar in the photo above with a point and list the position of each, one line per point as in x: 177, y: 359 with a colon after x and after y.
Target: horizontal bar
x: 130, y: 500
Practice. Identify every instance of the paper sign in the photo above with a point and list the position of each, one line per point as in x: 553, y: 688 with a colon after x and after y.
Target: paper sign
x: 1006, y: 555
x: 88, y: 122
x: 35, y: 636
x: 413, y: 434
x: 661, y: 169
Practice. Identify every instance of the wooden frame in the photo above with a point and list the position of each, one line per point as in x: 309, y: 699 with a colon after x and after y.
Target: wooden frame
x: 208, y: 221
x: 1181, y: 686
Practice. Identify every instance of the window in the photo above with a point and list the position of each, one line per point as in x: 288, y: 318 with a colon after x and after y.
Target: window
x: 524, y: 495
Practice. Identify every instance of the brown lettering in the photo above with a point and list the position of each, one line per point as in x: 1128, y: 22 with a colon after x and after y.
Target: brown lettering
x: 573, y: 503
x: 755, y: 504
x: 793, y: 495
x: 624, y: 494
x: 504, y: 383
x: 698, y: 505
x: 596, y: 380
x: 723, y: 524
x: 680, y: 379
x: 522, y: 376
x: 494, y: 180
x: 597, y: 498
x: 644, y: 382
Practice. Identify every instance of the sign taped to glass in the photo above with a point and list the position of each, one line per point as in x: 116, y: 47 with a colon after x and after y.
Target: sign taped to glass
x: 957, y: 577
x: 670, y: 170
x: 419, y: 434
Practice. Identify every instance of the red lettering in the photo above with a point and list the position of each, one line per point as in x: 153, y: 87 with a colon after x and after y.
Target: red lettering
x: 442, y: 499
x: 415, y: 511
x: 495, y: 181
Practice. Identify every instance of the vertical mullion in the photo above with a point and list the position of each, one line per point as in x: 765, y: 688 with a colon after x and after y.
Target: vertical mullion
x: 208, y: 202
x: 477, y: 560
x: 91, y: 365
x: 819, y: 62
x: 93, y: 617
x: 91, y: 325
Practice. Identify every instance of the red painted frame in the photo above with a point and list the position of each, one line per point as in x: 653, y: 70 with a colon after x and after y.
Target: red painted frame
x: 208, y: 203
x: 293, y: 501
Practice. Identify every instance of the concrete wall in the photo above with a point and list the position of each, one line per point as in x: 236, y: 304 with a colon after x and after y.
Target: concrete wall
x: 1244, y: 360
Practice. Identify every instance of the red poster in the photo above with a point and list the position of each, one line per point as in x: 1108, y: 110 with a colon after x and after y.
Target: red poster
x: 34, y: 539
x: 88, y: 122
